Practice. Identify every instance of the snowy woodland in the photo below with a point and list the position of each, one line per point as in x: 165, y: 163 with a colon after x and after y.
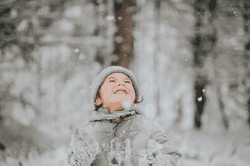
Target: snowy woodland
x: 191, y: 59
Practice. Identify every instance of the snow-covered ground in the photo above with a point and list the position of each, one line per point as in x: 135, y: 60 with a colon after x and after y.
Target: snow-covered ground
x: 199, y: 148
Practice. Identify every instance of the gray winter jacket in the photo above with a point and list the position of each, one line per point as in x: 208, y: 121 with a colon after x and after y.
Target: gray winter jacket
x: 119, y: 143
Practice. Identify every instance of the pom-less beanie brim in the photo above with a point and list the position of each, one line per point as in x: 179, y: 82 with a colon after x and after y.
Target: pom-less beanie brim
x: 109, y: 70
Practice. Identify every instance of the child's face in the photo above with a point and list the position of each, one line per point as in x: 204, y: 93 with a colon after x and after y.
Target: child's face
x: 116, y: 88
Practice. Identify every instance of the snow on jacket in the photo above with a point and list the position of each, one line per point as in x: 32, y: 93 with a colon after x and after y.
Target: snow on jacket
x: 105, y: 143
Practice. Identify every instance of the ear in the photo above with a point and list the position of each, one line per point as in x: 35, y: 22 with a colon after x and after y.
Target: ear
x: 98, y: 101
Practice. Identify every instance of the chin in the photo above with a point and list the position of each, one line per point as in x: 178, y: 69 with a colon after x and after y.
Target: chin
x: 121, y: 99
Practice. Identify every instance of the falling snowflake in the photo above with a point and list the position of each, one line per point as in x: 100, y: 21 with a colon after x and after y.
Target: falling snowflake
x: 119, y: 18
x: 119, y: 39
x: 110, y: 18
x: 199, y: 99
x: 76, y: 50
x: 81, y: 56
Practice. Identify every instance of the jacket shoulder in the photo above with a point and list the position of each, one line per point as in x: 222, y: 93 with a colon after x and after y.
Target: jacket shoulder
x: 144, y: 118
x: 87, y: 128
x: 143, y: 123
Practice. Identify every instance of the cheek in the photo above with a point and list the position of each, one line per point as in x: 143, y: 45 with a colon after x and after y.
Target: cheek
x: 106, y: 92
x: 132, y: 93
x: 132, y: 97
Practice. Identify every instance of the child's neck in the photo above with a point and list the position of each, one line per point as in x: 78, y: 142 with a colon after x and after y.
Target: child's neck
x: 114, y: 107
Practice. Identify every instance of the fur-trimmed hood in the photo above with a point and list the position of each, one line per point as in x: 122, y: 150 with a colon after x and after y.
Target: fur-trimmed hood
x: 103, y: 113
x: 97, y: 82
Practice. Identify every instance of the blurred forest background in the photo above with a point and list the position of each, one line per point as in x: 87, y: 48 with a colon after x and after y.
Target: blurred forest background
x: 191, y: 59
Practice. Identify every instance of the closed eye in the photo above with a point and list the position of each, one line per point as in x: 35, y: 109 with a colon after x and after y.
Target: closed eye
x: 111, y: 80
x: 127, y: 82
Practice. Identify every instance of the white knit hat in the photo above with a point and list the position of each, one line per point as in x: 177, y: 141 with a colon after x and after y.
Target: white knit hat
x: 96, y: 84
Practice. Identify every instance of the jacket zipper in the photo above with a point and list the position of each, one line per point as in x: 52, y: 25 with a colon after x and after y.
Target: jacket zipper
x: 115, y: 129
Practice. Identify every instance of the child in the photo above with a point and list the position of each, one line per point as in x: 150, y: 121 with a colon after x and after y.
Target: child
x: 118, y: 132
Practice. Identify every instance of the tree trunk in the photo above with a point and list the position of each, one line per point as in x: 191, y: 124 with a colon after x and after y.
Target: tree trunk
x: 245, y: 9
x: 200, y: 100
x: 105, y: 29
x: 157, y: 41
x: 229, y: 64
x: 39, y: 78
x: 199, y: 58
x: 205, y: 55
x: 124, y: 40
x: 160, y: 48
x: 144, y: 50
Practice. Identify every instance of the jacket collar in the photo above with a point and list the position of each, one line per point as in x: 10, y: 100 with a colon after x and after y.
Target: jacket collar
x: 103, y: 114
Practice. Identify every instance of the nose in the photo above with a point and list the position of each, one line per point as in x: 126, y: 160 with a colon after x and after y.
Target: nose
x: 120, y: 83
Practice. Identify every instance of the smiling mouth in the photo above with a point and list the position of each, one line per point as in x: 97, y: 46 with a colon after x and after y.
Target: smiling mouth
x: 120, y: 91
